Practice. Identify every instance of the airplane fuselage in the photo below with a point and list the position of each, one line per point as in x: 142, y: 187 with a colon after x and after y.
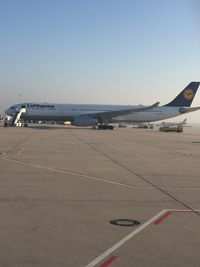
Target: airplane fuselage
x: 88, y: 115
x: 68, y: 112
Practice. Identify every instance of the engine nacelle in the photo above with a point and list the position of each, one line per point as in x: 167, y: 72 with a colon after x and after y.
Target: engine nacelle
x: 85, y: 121
x: 183, y: 110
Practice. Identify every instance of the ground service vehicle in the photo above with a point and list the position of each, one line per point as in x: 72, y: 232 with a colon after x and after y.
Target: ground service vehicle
x: 177, y: 128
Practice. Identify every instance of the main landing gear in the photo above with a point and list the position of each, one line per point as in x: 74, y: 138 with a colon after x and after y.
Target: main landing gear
x: 103, y: 127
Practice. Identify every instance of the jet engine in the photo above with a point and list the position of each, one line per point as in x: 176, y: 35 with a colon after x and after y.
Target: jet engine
x: 85, y: 121
x: 183, y: 110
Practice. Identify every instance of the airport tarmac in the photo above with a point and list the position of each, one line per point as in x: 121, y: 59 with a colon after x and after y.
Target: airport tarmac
x: 60, y: 188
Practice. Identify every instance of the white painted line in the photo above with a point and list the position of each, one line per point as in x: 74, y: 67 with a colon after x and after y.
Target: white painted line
x: 124, y: 240
x: 68, y: 172
x: 175, y: 210
x: 87, y: 176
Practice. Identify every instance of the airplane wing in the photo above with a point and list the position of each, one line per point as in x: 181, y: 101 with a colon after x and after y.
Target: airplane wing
x: 106, y: 115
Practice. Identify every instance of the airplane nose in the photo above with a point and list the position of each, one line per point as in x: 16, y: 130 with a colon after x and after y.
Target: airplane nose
x: 9, y: 112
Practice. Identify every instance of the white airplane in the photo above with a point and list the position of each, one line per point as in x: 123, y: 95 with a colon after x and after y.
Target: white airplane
x: 102, y: 115
x: 168, y: 123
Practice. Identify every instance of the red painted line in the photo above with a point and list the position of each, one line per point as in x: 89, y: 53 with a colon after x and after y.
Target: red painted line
x: 159, y: 220
x: 109, y: 261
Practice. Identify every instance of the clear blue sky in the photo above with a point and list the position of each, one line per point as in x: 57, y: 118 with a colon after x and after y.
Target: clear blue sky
x: 98, y: 51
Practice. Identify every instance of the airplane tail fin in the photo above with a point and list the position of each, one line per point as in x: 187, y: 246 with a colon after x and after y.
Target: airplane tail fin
x: 184, y: 121
x: 185, y: 98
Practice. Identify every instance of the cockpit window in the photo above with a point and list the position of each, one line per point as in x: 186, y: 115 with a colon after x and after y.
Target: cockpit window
x: 13, y: 107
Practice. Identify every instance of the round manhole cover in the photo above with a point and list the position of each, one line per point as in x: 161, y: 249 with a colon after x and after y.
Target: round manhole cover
x: 125, y: 222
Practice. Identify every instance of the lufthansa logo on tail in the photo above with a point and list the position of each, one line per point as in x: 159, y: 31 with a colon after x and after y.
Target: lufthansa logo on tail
x: 188, y: 93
